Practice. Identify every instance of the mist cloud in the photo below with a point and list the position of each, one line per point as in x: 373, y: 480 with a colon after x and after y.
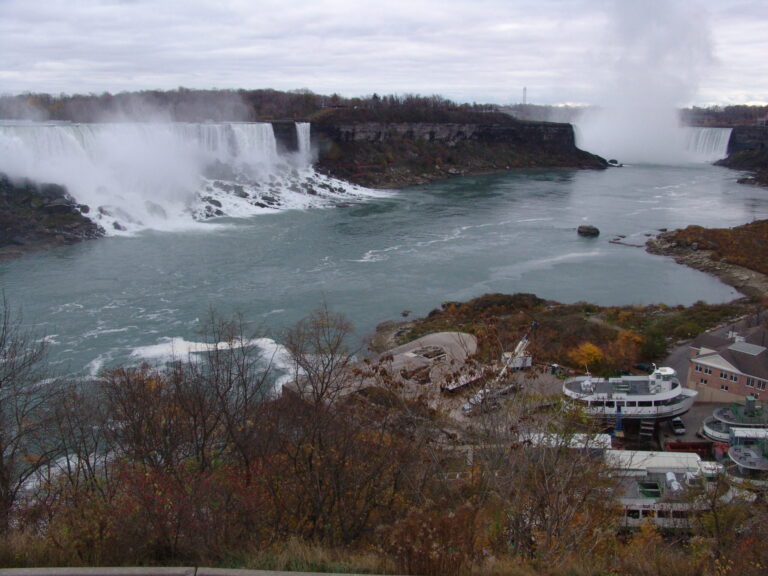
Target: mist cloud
x: 656, y: 54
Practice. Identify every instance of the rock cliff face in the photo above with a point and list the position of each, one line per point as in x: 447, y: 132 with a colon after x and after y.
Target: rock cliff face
x: 285, y: 135
x: 35, y: 216
x: 745, y: 138
x: 400, y: 154
x: 748, y: 150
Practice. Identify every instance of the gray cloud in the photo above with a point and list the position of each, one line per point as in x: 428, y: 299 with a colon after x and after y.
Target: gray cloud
x: 468, y: 50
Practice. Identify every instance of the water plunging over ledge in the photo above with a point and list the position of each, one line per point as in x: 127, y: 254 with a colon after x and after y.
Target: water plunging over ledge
x: 707, y: 144
x: 170, y: 176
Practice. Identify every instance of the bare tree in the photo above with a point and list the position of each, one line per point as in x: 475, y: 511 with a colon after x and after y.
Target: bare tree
x: 26, y: 446
x: 540, y: 463
x: 227, y: 393
x: 321, y: 360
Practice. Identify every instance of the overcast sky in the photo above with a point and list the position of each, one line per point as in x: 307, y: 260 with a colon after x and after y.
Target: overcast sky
x: 564, y: 51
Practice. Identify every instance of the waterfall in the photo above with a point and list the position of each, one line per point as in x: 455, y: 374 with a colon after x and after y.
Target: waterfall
x: 167, y: 175
x: 303, y: 140
x: 707, y: 144
x: 254, y: 143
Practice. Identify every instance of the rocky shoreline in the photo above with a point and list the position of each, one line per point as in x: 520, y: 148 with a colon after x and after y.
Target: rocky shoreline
x: 40, y: 216
x: 746, y: 281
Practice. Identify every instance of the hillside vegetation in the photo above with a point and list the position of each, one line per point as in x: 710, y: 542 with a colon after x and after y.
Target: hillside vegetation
x: 745, y: 245
x: 608, y: 339
x: 184, y: 105
x: 199, y: 463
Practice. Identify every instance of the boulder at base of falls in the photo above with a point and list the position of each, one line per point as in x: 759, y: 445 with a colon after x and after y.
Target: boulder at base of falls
x: 36, y: 216
x: 588, y: 231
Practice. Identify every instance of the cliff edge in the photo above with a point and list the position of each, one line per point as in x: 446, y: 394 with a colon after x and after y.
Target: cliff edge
x: 748, y: 150
x: 397, y: 154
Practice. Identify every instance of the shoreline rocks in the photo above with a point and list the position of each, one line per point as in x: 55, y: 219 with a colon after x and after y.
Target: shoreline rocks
x: 746, y: 281
x: 35, y: 216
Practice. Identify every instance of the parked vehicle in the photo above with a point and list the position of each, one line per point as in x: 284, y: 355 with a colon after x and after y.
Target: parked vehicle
x: 677, y: 425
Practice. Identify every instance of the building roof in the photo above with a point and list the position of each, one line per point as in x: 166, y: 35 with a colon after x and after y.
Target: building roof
x: 715, y: 360
x: 747, y: 356
x: 652, y: 461
x: 710, y: 341
x: 747, y: 348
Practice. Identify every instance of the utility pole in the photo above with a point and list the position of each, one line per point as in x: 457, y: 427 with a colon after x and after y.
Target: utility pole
x: 525, y: 95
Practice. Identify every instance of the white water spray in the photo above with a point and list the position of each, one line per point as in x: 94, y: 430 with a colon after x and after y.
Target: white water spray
x: 168, y: 176
x: 655, y: 53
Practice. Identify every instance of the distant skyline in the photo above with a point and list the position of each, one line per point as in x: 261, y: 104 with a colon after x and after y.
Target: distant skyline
x: 681, y: 52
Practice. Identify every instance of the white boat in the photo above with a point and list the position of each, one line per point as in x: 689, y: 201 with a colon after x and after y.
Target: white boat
x: 659, y: 396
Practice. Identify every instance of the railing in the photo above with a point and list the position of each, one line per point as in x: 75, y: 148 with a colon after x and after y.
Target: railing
x: 675, y: 407
x: 716, y: 430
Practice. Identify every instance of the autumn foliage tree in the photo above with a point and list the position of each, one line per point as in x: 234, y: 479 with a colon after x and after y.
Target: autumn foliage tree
x: 202, y: 461
x: 586, y: 355
x: 185, y: 462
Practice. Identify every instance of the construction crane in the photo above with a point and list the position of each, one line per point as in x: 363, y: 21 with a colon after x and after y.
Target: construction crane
x: 516, y: 360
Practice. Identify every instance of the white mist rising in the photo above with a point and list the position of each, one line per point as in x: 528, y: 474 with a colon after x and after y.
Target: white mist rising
x: 655, y: 54
x: 169, y: 176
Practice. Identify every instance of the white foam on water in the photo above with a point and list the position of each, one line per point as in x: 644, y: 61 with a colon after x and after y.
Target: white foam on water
x: 275, y: 356
x: 171, y: 176
x: 378, y: 255
x: 521, y: 268
x: 102, y: 331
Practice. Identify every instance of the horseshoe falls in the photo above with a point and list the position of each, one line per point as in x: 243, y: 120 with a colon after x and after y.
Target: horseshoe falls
x: 707, y: 144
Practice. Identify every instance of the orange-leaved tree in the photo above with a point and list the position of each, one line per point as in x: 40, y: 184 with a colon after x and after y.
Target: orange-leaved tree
x: 586, y: 355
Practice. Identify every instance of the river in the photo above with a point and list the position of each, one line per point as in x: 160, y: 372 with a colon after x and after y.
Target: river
x: 126, y: 298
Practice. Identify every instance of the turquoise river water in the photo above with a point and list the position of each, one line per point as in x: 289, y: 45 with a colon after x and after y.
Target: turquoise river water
x: 124, y: 298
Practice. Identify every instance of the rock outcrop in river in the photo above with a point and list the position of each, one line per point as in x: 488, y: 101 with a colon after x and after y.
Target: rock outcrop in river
x: 35, y: 216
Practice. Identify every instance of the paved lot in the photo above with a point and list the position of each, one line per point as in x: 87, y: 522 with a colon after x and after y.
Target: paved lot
x: 692, y: 420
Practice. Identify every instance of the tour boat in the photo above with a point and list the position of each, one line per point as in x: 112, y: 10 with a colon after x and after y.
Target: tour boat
x: 658, y: 396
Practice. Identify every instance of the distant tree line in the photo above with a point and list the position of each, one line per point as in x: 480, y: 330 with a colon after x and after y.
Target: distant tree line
x: 725, y: 116
x: 185, y: 105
